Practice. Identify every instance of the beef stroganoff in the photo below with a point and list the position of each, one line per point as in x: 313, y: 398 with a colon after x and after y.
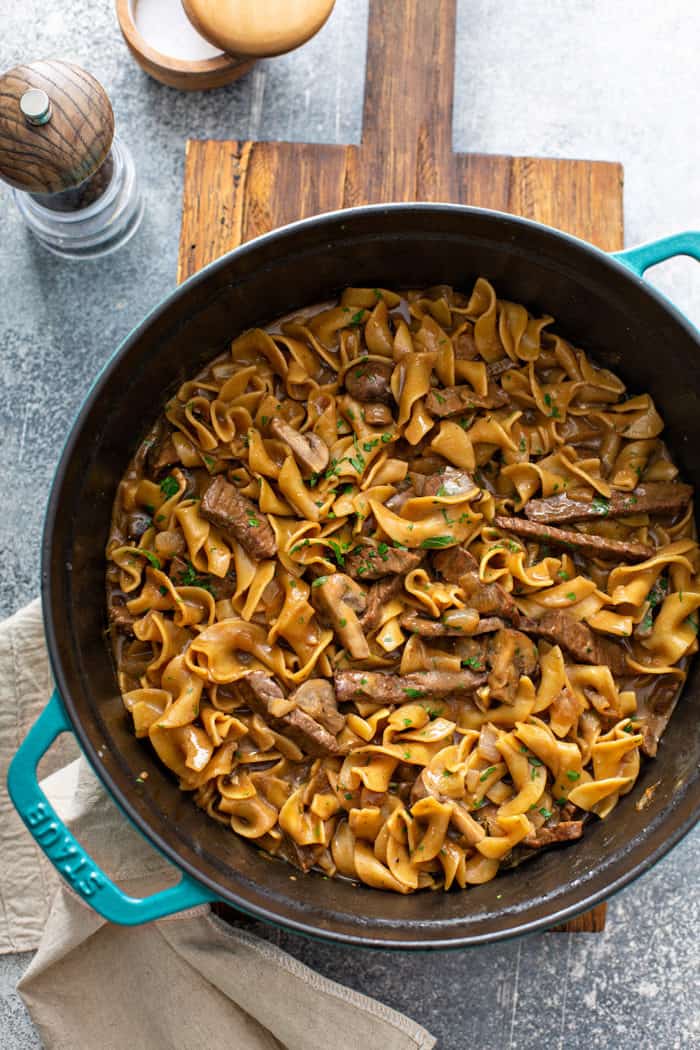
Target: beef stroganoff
x: 403, y: 587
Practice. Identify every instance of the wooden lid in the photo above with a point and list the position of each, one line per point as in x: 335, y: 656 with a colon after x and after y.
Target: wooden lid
x: 48, y: 148
x: 260, y: 28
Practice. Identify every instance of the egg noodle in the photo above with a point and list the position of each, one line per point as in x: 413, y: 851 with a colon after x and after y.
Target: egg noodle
x: 402, y: 587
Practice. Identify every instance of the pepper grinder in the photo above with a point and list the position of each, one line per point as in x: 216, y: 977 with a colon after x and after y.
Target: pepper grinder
x: 73, y: 181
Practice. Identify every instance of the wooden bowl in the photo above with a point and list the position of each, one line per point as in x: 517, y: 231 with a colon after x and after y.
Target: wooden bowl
x: 185, y: 74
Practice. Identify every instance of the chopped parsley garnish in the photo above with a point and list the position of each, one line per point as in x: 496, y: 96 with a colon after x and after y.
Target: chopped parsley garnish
x: 572, y: 774
x: 357, y: 462
x: 414, y: 694
x: 474, y: 662
x: 334, y: 468
x: 169, y: 486
x: 369, y: 445
x: 338, y: 551
x: 386, y: 438
x: 408, y: 721
x: 348, y: 795
x: 442, y: 491
x: 163, y: 590
x: 563, y: 574
x: 571, y: 596
x: 487, y: 773
x: 601, y: 506
x: 382, y: 550
x: 190, y: 578
x: 357, y: 318
x: 523, y: 445
x: 319, y: 581
x: 546, y: 813
x: 439, y: 398
x: 342, y: 622
x: 253, y: 521
x: 155, y: 561
x: 436, y: 542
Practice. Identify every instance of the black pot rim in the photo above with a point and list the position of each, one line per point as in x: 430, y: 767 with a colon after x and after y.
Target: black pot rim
x: 690, y: 813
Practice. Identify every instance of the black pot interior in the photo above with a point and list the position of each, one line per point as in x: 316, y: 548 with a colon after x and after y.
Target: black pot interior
x: 601, y: 308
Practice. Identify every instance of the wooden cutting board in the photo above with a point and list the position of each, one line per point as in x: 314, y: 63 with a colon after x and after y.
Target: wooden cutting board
x: 237, y: 190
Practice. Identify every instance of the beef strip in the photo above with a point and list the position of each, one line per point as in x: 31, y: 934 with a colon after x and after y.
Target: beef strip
x: 371, y: 560
x: 221, y: 587
x: 370, y: 381
x: 510, y: 654
x: 650, y: 497
x: 454, y: 400
x: 457, y: 565
x: 238, y: 517
x: 316, y: 698
x: 565, y: 831
x: 119, y: 616
x: 560, y: 628
x: 263, y: 694
x: 397, y: 689
x: 654, y: 710
x: 379, y: 595
x: 498, y: 368
x: 586, y: 543
x: 448, y: 482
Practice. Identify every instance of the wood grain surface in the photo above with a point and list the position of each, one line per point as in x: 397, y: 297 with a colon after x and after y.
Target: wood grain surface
x: 236, y: 190
x: 71, y: 146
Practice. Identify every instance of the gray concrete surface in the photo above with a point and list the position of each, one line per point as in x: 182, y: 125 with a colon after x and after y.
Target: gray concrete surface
x: 610, y: 79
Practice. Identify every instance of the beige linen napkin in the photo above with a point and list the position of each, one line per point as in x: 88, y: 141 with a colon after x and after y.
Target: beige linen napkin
x: 183, y: 983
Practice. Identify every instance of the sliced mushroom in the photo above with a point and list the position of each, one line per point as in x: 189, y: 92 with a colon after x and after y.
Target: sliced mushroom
x: 310, y: 452
x: 340, y: 599
x: 316, y: 698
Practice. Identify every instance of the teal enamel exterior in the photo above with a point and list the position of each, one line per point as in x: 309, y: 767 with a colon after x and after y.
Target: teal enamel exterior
x: 63, y: 849
x: 639, y: 259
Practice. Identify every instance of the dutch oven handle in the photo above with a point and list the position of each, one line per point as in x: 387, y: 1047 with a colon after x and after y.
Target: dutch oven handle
x: 65, y: 852
x: 639, y: 259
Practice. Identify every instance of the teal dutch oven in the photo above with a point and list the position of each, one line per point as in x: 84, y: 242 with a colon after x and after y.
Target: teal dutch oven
x: 601, y: 303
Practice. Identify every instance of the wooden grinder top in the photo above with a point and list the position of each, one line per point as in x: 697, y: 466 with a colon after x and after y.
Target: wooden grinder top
x: 68, y: 143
